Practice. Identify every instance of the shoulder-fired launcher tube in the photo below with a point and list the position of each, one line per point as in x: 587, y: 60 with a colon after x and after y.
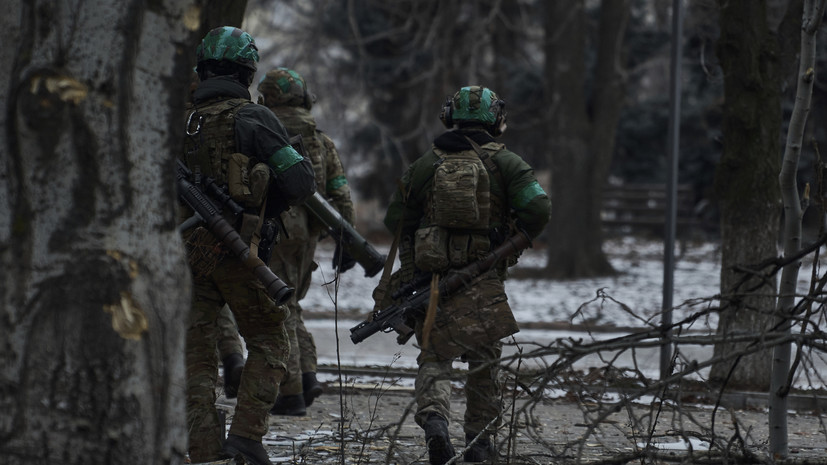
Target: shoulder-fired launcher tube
x: 196, y: 199
x: 357, y: 246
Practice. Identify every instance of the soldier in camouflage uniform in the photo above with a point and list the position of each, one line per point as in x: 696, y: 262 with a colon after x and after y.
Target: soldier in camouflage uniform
x: 285, y: 92
x: 513, y: 199
x: 226, y: 134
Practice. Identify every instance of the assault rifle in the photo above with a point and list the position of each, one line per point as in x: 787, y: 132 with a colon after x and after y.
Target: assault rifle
x: 395, y: 316
x: 356, y: 245
x: 209, y: 213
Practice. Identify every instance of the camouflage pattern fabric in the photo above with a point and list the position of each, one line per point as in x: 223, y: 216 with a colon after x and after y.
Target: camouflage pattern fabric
x: 482, y: 389
x: 293, y: 261
x: 327, y: 165
x: 257, y: 134
x: 472, y: 322
x: 285, y: 87
x: 292, y: 258
x: 473, y: 103
x: 478, y: 315
x: 229, y: 341
x: 466, y: 323
x: 260, y: 322
x: 228, y: 43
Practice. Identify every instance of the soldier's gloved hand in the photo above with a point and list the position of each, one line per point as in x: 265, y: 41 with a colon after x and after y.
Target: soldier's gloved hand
x: 342, y: 261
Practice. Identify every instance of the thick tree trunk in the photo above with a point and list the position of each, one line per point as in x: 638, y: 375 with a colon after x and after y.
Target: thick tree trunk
x: 217, y: 13
x: 94, y: 292
x: 582, y: 130
x: 747, y: 184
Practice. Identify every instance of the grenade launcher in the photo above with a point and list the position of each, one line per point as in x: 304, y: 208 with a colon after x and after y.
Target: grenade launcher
x: 356, y: 245
x: 207, y: 212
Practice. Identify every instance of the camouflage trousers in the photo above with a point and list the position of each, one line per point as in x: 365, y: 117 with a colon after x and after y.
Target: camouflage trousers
x: 229, y: 341
x: 293, y: 262
x: 260, y: 322
x: 483, y: 404
x: 480, y: 348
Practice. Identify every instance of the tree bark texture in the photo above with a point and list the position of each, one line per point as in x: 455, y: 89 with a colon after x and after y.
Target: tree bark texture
x: 94, y: 292
x: 217, y: 13
x: 582, y: 128
x: 746, y: 183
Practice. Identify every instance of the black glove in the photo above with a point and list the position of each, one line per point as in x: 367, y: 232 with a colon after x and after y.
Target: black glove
x: 342, y: 261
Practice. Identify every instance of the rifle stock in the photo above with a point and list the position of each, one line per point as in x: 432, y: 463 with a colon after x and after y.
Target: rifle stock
x: 357, y: 246
x: 394, y: 317
x: 215, y: 222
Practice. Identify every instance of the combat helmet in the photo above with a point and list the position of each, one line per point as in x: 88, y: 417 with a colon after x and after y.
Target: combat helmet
x: 283, y: 86
x: 228, y: 43
x: 475, y: 105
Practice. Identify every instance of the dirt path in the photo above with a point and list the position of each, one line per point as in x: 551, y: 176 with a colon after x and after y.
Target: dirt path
x: 378, y: 427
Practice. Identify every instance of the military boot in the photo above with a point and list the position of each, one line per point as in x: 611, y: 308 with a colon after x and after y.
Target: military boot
x: 233, y: 365
x: 438, y: 440
x: 252, y: 450
x: 480, y: 451
x: 311, y: 388
x: 292, y: 405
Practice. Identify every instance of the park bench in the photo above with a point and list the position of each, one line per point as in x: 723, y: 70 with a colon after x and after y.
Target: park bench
x: 639, y: 208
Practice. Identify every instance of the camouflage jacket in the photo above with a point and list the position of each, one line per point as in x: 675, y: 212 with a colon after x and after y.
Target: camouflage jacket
x: 320, y: 149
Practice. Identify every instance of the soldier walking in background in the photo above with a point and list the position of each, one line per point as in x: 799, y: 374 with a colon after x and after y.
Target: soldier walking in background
x: 463, y: 197
x: 285, y: 92
x: 242, y: 147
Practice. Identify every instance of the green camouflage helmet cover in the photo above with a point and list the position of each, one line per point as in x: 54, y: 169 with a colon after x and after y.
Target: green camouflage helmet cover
x: 283, y: 86
x: 477, y: 104
x: 228, y: 43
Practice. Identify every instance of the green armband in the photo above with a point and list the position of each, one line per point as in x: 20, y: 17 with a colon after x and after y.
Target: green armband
x: 283, y: 159
x: 335, y: 183
x: 526, y: 194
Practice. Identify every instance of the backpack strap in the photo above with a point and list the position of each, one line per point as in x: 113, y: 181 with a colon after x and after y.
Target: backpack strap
x: 384, y: 280
x: 486, y: 160
x: 492, y: 167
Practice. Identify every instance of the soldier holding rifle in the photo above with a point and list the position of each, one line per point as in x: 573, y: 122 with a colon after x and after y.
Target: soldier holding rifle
x: 464, y: 198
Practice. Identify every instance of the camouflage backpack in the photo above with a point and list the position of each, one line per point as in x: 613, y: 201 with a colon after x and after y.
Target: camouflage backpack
x: 458, y: 213
x: 460, y: 197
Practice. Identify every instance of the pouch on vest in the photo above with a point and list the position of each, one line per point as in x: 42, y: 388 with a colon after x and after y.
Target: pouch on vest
x: 295, y: 223
x: 466, y: 248
x: 461, y: 198
x: 247, y: 185
x: 431, y: 246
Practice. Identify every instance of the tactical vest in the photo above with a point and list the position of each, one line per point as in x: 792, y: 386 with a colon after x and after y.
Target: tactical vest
x: 210, y: 151
x: 211, y: 141
x: 459, y: 211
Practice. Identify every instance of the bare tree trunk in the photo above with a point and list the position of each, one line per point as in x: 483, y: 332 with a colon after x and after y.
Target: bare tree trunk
x: 793, y: 213
x: 582, y: 130
x: 94, y: 290
x: 217, y: 13
x: 747, y: 183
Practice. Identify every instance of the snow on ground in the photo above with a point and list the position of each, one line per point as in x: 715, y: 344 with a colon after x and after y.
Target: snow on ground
x: 639, y: 285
